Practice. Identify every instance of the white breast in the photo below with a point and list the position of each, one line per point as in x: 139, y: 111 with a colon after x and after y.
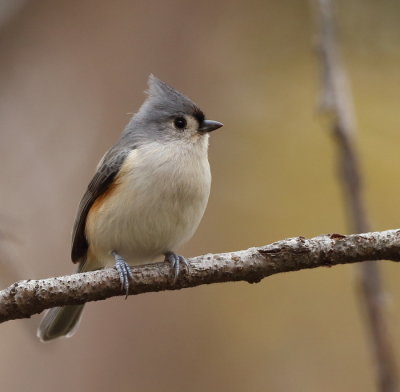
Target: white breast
x: 160, y: 197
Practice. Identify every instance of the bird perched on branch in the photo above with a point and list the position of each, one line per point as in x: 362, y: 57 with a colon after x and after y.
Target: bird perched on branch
x: 146, y: 198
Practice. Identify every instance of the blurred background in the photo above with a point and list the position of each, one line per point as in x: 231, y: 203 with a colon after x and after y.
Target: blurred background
x: 71, y: 74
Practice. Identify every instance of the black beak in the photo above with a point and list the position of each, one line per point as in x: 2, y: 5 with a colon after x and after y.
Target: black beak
x: 209, y: 125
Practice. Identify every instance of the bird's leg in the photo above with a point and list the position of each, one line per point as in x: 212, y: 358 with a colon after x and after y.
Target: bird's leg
x: 175, y: 261
x: 124, y: 271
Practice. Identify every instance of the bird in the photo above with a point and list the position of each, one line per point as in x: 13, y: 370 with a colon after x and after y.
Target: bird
x: 146, y: 198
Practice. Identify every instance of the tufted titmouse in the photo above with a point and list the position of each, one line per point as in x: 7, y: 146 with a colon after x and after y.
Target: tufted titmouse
x: 146, y: 198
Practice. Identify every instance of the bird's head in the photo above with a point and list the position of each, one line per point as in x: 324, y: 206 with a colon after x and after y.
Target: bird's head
x: 168, y: 115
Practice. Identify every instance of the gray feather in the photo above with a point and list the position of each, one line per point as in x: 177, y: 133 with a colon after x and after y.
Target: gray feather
x: 59, y: 322
x: 103, y: 178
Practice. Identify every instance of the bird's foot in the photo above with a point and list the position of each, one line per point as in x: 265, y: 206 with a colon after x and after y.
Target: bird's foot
x: 175, y: 261
x: 124, y: 272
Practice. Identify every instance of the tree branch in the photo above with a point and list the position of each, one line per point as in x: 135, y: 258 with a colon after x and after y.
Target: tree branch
x: 336, y: 100
x: 28, y: 297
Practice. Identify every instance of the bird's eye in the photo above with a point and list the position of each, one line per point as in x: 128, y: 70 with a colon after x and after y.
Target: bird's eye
x: 180, y: 122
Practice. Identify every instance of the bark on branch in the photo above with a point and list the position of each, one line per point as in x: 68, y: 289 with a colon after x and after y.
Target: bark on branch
x: 28, y: 297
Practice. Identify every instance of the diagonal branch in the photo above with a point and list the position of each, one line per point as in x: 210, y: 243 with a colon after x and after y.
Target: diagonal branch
x: 336, y: 100
x: 28, y: 297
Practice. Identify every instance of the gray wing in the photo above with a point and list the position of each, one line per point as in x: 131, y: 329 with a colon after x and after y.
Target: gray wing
x: 105, y: 174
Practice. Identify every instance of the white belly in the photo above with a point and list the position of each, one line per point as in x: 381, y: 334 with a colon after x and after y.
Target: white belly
x: 156, y: 206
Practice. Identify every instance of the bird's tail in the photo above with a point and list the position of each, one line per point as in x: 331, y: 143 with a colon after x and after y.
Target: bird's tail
x: 58, y: 322
x: 61, y: 321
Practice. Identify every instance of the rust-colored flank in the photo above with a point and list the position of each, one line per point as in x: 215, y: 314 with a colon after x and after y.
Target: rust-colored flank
x: 102, y: 198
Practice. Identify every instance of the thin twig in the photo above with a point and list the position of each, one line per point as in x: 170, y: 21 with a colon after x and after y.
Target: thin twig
x: 28, y: 297
x: 336, y: 100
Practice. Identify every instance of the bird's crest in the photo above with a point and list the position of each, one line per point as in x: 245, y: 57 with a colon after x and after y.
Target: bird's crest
x: 166, y: 97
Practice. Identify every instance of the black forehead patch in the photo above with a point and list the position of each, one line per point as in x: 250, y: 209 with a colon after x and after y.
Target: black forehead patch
x: 198, y: 115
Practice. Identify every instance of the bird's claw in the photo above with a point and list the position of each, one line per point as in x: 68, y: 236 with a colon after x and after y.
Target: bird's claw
x: 124, y: 272
x: 175, y: 261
